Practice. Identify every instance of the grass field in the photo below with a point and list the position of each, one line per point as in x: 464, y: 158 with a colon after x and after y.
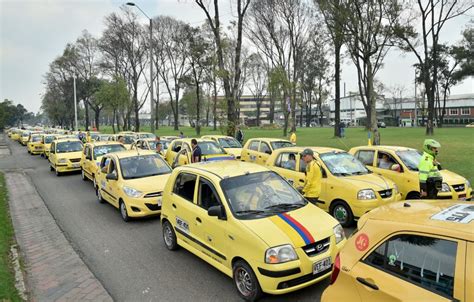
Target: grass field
x: 456, y: 154
x: 8, y: 291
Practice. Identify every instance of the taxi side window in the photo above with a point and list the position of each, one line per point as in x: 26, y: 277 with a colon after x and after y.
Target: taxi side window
x: 264, y: 148
x: 424, y: 261
x: 302, y: 166
x: 184, y: 186
x: 207, y: 195
x: 366, y: 157
x: 177, y: 147
x: 254, y: 145
x: 112, y: 167
x: 85, y: 150
x: 385, y: 160
x: 286, y: 161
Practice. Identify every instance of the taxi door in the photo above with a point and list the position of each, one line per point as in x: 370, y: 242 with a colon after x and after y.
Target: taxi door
x: 183, y: 204
x: 393, y: 172
x: 263, y: 153
x: 52, y: 154
x: 172, y: 151
x: 469, y: 277
x: 250, y: 153
x: 412, y: 267
x: 185, y: 156
x: 210, y: 230
x: 324, y: 197
x: 286, y: 166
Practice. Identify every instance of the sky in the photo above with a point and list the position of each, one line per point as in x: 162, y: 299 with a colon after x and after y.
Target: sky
x: 34, y: 32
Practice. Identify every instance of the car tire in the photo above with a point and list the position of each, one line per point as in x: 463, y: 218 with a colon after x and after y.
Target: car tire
x: 51, y: 168
x: 169, y: 236
x: 413, y: 195
x: 99, y: 195
x: 57, y: 172
x: 245, y: 281
x: 343, y: 213
x: 123, y: 211
x: 83, y: 175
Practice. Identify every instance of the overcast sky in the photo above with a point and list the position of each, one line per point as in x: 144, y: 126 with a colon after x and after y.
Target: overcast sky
x: 34, y: 32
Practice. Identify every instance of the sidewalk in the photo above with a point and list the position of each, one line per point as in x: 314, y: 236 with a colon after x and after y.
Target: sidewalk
x: 54, y: 271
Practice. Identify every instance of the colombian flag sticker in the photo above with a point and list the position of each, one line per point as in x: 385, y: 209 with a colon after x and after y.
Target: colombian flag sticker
x: 297, y: 232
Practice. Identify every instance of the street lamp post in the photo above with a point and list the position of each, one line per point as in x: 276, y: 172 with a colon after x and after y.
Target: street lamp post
x: 152, y: 105
x: 75, y: 103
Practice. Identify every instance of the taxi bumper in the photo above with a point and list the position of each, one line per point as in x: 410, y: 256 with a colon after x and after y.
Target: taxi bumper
x: 360, y: 207
x: 465, y: 194
x: 142, y: 207
x: 277, y: 279
x: 69, y: 167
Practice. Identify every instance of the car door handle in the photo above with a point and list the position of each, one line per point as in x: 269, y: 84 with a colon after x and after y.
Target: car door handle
x: 367, y: 283
x: 174, y: 206
x: 198, y: 220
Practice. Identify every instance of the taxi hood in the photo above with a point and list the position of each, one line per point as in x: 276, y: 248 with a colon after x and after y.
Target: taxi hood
x: 452, y: 178
x: 369, y: 181
x: 300, y: 227
x: 148, y: 184
x: 69, y: 155
x: 234, y: 151
x: 212, y: 157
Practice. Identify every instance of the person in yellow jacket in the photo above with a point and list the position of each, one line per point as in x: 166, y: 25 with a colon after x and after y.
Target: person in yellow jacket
x: 312, y: 183
x: 429, y: 175
x: 293, y: 137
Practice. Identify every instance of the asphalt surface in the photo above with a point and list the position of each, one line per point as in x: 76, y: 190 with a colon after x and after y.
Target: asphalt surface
x: 130, y: 259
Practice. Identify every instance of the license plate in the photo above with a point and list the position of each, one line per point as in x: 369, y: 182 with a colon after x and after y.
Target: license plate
x: 321, y: 265
x: 76, y: 165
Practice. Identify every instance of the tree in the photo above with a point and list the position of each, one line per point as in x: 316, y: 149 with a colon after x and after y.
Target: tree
x: 368, y: 36
x: 432, y: 17
x: 224, y: 74
x: 113, y: 95
x: 258, y: 81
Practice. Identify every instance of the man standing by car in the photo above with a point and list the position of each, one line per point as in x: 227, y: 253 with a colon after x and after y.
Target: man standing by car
x: 159, y: 148
x: 312, y: 183
x: 239, y: 136
x: 430, y: 178
x: 196, y: 156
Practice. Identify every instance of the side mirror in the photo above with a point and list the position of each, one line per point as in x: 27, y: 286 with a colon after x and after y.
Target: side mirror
x: 268, y: 152
x: 396, y: 168
x: 217, y: 211
x: 111, y: 176
x: 88, y: 157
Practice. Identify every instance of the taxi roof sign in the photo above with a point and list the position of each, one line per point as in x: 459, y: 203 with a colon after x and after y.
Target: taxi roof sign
x: 460, y: 213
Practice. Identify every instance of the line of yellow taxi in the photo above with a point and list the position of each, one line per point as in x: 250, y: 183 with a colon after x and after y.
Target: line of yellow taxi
x: 250, y: 222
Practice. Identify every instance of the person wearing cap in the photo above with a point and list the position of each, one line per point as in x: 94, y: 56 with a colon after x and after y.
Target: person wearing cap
x: 312, y: 183
x: 430, y: 178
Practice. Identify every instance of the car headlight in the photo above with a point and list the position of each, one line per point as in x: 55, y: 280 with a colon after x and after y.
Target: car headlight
x: 62, y: 161
x: 468, y: 184
x: 132, y: 192
x: 445, y: 187
x: 160, y: 201
x: 339, y: 233
x: 395, y: 189
x: 280, y: 254
x: 366, y: 194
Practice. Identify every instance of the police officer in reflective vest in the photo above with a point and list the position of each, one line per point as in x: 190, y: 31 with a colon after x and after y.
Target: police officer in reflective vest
x: 312, y: 183
x: 429, y: 175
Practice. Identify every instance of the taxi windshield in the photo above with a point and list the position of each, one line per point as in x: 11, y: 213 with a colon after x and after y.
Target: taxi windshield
x: 102, y: 138
x: 258, y: 195
x: 36, y: 139
x: 129, y: 139
x: 343, y: 164
x: 48, y: 139
x: 146, y: 135
x: 65, y: 147
x: 282, y: 144
x: 143, y: 166
x: 229, y: 142
x: 210, y: 148
x: 102, y: 150
x: 411, y: 158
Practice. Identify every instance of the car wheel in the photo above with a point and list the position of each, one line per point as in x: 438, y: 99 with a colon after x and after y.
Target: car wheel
x: 343, y: 213
x: 123, y: 212
x: 83, y: 175
x: 95, y: 183
x: 99, y: 195
x: 246, y: 282
x: 169, y: 236
x: 51, y: 168
x: 413, y: 195
x: 57, y: 172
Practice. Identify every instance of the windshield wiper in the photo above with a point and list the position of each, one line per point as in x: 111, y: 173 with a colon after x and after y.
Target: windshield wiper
x: 341, y: 174
x: 285, y: 206
x: 359, y: 173
x: 250, y: 212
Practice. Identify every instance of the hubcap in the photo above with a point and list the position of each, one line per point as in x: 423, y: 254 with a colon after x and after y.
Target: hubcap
x: 123, y: 210
x: 244, y: 282
x: 95, y: 184
x: 99, y: 196
x: 83, y: 176
x: 168, y: 235
x: 340, y: 213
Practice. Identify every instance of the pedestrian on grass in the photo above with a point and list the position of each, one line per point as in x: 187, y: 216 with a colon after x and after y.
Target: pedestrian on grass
x: 181, y: 134
x: 342, y: 129
x: 312, y: 183
x: 239, y: 135
x: 293, y: 137
x: 197, y: 154
x: 376, y: 139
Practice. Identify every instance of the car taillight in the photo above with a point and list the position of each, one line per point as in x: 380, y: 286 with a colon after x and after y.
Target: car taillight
x: 336, y: 269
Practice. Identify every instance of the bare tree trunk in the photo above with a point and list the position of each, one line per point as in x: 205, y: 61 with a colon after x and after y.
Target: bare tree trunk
x: 86, y: 111
x: 337, y: 83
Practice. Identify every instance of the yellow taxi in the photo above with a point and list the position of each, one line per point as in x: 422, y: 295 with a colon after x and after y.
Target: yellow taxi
x: 408, y: 251
x: 16, y: 135
x: 258, y: 150
x: 128, y: 138
x: 92, y: 155
x: 150, y: 144
x: 25, y: 135
x: 46, y: 140
x: 348, y: 188
x: 250, y: 224
x: 145, y: 135
x: 133, y: 182
x: 230, y: 144
x: 65, y: 155
x: 100, y: 137
x: 34, y: 145
x: 400, y: 164
x: 179, y: 152
x: 169, y: 137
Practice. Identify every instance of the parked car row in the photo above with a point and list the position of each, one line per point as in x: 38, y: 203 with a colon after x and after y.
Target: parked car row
x: 239, y: 210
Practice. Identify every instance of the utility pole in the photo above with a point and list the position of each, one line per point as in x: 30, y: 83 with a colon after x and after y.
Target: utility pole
x: 75, y: 103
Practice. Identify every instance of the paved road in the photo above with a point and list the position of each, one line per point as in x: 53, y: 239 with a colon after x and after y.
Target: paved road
x: 130, y: 259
